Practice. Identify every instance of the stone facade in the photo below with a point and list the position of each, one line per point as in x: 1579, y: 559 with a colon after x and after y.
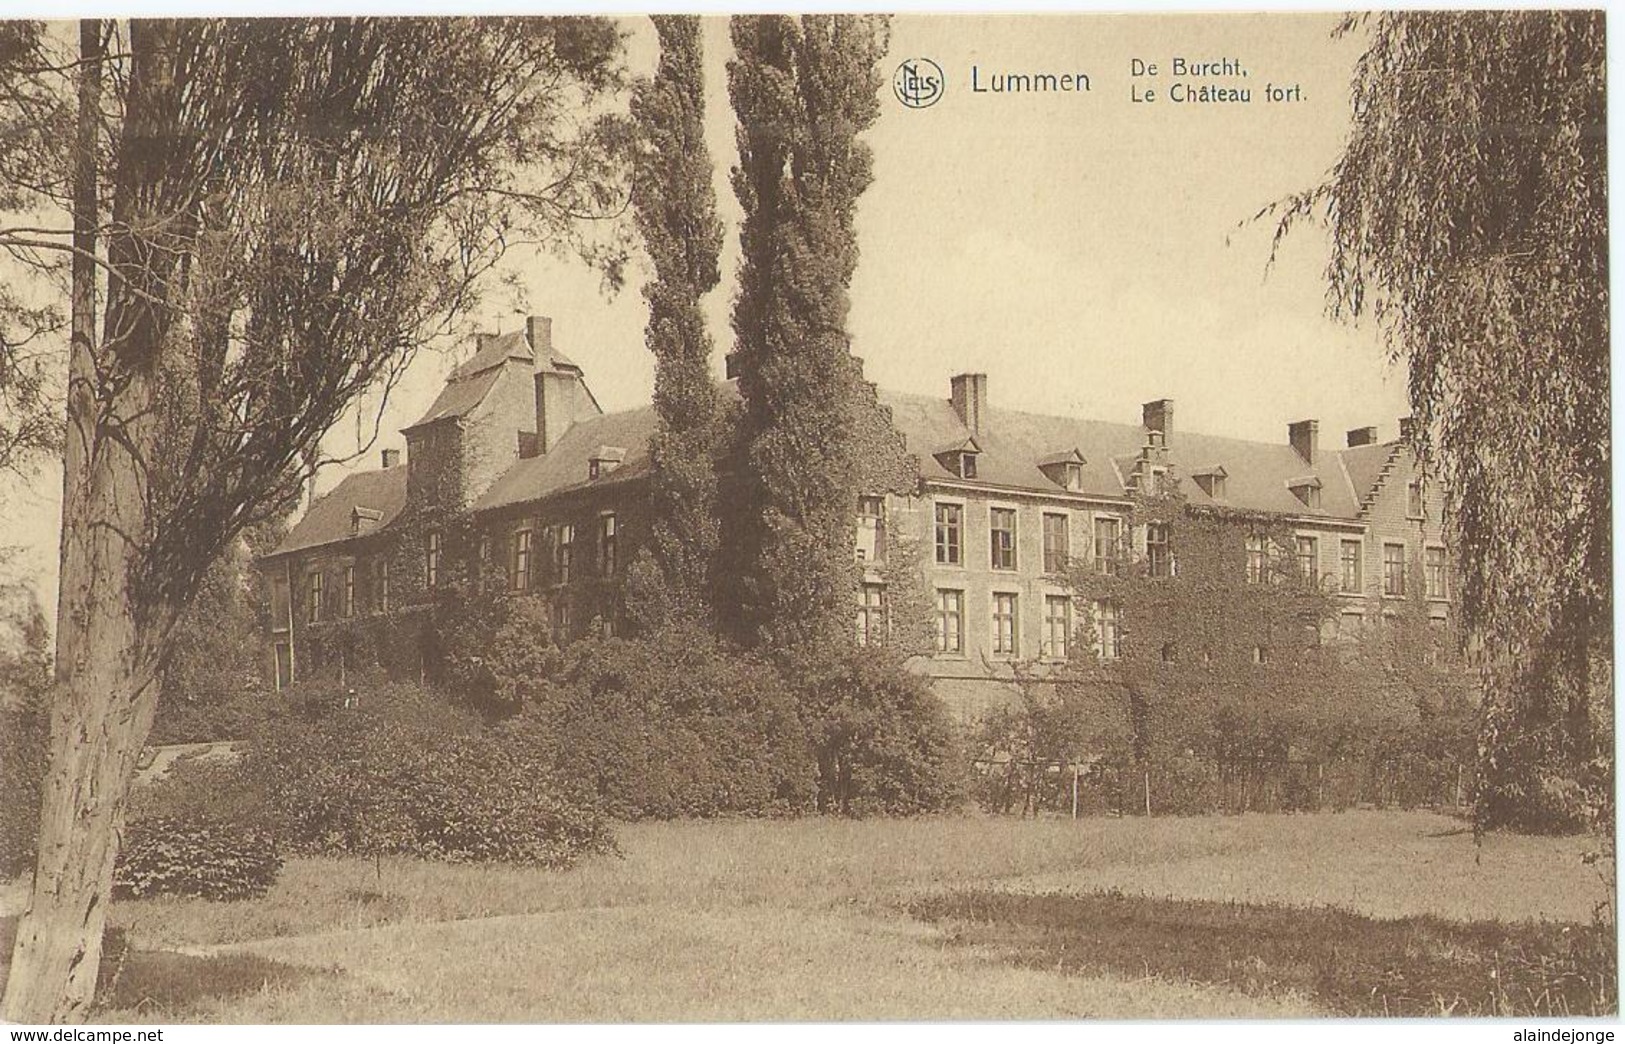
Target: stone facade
x: 516, y: 481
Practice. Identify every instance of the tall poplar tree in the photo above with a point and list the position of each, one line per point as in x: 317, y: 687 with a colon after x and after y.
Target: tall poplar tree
x: 1469, y: 217
x: 675, y: 207
x: 803, y: 90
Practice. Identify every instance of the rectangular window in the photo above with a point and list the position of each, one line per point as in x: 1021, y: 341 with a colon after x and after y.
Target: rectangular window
x: 949, y: 529
x: 1393, y: 570
x: 1057, y: 625
x: 313, y: 611
x: 349, y: 590
x: 871, y: 545
x: 871, y: 614
x: 279, y: 603
x: 950, y: 621
x: 561, y: 622
x: 1108, y: 545
x: 1005, y: 638
x: 519, y: 563
x: 1434, y: 574
x: 1002, y: 529
x: 431, y: 562
x: 1108, y: 631
x: 1056, y: 543
x: 284, y: 665
x: 1257, y: 559
x: 1308, y: 558
x: 1353, y: 575
x: 1414, y: 505
x: 383, y: 585
x: 1157, y: 555
x: 564, y: 553
x: 606, y: 545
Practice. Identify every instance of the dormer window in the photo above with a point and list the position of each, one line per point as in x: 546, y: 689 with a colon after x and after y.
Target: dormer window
x: 604, y: 460
x: 959, y: 459
x: 1064, y: 469
x: 1307, y: 490
x: 1210, y: 480
x: 363, y: 519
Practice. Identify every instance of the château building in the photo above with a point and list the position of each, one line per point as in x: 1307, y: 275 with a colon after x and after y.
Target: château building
x: 516, y: 480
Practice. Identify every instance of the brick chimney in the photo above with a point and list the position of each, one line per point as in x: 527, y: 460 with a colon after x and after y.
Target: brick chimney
x: 1158, y: 415
x: 1362, y: 437
x: 539, y: 332
x: 1407, y: 427
x: 968, y: 394
x: 1304, y: 436
x: 391, y: 457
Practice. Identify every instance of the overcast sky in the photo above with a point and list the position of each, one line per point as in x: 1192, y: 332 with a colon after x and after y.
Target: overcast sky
x: 1087, y: 252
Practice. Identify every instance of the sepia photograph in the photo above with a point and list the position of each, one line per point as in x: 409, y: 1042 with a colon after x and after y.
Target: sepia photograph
x: 806, y: 518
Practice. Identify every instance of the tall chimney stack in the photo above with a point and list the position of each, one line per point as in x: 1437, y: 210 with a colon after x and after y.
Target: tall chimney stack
x: 391, y: 457
x: 1304, y: 436
x: 539, y: 332
x: 1407, y: 428
x: 969, y: 399
x: 1158, y: 415
x: 1362, y: 437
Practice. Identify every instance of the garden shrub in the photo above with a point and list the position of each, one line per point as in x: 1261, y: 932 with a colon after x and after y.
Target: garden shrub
x: 22, y: 770
x: 25, y: 682
x: 674, y: 724
x: 215, y: 716
x: 405, y: 772
x: 882, y: 738
x: 495, y: 649
x: 212, y: 859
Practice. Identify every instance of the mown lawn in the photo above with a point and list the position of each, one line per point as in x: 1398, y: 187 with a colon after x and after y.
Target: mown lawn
x: 830, y: 919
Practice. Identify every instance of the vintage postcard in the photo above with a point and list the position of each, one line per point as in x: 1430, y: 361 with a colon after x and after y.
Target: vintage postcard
x: 806, y: 518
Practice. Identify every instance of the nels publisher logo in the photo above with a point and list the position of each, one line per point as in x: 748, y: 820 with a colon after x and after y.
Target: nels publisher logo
x: 919, y: 83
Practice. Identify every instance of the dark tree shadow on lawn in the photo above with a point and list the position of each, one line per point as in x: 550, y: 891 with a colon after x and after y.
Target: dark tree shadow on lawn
x: 1351, y: 964
x: 162, y: 982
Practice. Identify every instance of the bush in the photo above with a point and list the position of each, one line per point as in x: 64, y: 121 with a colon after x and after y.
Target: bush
x: 212, y: 717
x: 22, y: 770
x: 495, y: 649
x: 217, y: 860
x: 882, y: 738
x: 407, y: 773
x: 24, y: 755
x: 675, y: 724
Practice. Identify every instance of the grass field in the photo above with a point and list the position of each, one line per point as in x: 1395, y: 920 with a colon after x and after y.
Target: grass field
x: 833, y: 919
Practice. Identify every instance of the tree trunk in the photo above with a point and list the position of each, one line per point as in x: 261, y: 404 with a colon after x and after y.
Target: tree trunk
x: 106, y: 654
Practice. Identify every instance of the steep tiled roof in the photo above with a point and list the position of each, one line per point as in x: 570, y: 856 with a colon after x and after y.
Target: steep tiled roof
x: 498, y: 350
x: 565, y: 466
x: 328, y: 520
x: 459, y: 396
x: 1013, y: 443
